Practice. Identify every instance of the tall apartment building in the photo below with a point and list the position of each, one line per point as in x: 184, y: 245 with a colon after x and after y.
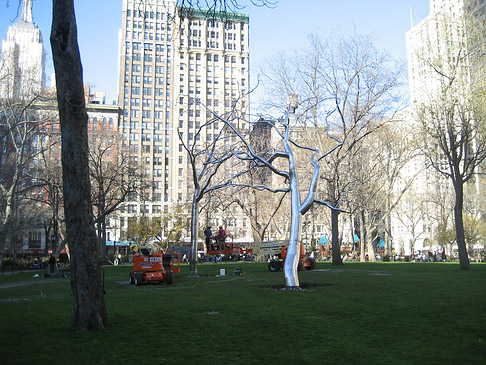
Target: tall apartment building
x: 427, y: 38
x: 23, y: 57
x: 475, y: 11
x: 173, y: 62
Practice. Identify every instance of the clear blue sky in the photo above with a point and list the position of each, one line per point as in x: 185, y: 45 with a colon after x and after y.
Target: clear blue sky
x: 284, y: 27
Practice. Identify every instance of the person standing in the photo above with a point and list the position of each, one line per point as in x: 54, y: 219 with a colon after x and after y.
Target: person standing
x: 209, y: 236
x: 52, y: 264
x: 221, y: 237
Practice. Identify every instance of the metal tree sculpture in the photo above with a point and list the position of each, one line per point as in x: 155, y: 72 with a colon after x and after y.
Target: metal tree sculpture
x: 298, y: 207
x: 205, y: 160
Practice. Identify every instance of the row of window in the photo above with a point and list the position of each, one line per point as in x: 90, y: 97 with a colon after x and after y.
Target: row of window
x: 147, y: 57
x: 158, y: 149
x: 135, y: 90
x: 137, y: 46
x: 135, y: 113
x: 146, y: 102
x: 145, y: 25
x: 147, y: 80
x: 213, y: 35
x: 147, y: 14
x: 156, y: 138
x: 213, y: 24
x: 157, y: 126
x: 102, y: 121
x: 146, y: 69
x: 213, y: 45
x: 147, y: 36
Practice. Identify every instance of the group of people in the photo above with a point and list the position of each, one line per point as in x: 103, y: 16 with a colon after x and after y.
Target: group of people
x: 217, y: 242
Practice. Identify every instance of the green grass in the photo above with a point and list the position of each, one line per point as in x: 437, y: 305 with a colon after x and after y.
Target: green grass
x: 361, y: 313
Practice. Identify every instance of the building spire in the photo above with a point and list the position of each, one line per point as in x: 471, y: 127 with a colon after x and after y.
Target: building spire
x: 27, y: 11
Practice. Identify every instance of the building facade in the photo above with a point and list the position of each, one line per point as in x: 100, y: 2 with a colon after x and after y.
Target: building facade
x: 175, y: 65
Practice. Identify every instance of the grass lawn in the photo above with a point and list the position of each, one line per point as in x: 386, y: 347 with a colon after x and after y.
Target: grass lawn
x: 360, y: 313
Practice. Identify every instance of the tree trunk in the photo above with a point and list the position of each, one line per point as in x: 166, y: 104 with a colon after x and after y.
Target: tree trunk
x: 291, y: 278
x: 362, y: 238
x: 388, y: 236
x: 459, y: 224
x: 103, y: 257
x: 336, y: 249
x: 194, y: 225
x: 369, y: 242
x: 89, y: 312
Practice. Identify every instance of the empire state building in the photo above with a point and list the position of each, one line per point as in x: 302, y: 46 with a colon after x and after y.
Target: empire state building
x: 22, y: 62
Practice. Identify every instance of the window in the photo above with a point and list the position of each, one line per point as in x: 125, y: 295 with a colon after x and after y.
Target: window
x: 146, y: 137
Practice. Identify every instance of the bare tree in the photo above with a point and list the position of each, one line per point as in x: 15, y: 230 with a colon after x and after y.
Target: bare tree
x: 361, y: 82
x: 452, y: 114
x: 113, y: 178
x: 24, y: 137
x: 223, y: 6
x: 89, y: 311
x: 381, y: 182
x: 52, y: 199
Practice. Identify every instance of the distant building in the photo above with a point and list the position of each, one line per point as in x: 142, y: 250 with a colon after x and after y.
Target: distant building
x: 22, y: 59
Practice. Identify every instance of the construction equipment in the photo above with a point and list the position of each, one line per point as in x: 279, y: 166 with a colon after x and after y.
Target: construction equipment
x: 218, y: 247
x: 278, y: 253
x: 151, y: 266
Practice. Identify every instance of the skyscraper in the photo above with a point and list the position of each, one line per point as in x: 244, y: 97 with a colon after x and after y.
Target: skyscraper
x: 22, y: 73
x: 428, y: 39
x: 173, y: 62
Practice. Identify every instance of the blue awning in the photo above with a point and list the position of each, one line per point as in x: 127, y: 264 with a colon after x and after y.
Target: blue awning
x: 119, y: 243
x: 381, y: 243
x: 323, y: 241
x: 355, y: 238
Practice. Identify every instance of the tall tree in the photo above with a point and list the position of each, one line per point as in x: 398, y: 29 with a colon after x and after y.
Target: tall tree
x: 89, y: 311
x: 452, y: 113
x: 113, y: 177
x: 360, y: 81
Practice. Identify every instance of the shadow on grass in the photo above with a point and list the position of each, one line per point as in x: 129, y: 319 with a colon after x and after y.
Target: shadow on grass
x: 303, y: 286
